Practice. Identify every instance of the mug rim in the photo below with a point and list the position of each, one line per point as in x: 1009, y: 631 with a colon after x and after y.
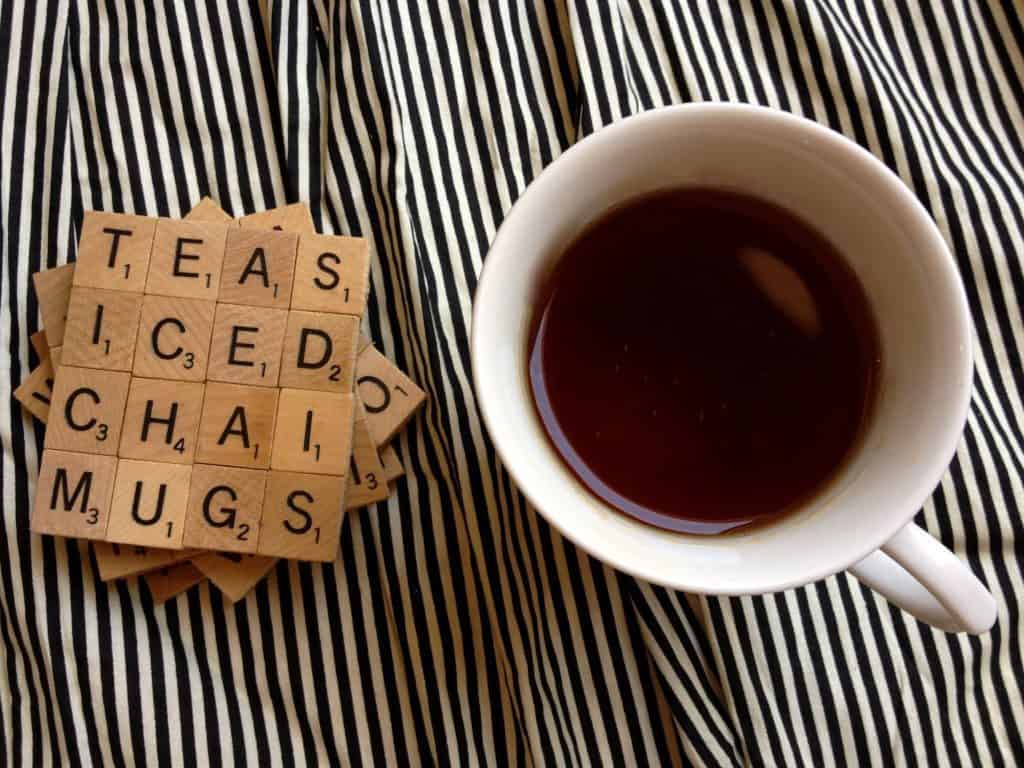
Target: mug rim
x: 956, y: 301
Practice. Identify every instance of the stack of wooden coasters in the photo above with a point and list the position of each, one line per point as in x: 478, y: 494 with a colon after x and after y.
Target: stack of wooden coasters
x: 210, y: 403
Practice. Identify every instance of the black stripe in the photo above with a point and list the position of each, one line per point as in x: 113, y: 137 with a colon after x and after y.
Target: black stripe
x: 270, y: 660
x: 212, y: 723
x: 132, y: 676
x: 163, y: 97
x: 185, y: 714
x: 650, y: 683
x: 341, y: 660
x: 157, y: 685
x: 12, y: 680
x: 218, y: 608
x: 739, y: 702
x: 295, y: 666
x: 316, y: 660
x: 77, y: 595
x: 252, y: 689
x: 774, y: 663
x: 29, y: 643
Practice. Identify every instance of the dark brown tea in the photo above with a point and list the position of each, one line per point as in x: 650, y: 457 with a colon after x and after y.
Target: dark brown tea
x: 703, y: 360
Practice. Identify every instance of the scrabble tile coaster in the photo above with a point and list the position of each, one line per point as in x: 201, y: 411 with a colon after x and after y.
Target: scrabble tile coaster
x: 302, y: 516
x: 73, y: 494
x: 118, y: 561
x: 285, y: 436
x: 207, y: 209
x: 237, y: 425
x: 169, y: 582
x: 149, y: 504
x: 161, y: 420
x: 246, y: 345
x: 234, y: 574
x: 224, y: 508
x: 114, y: 251
x: 174, y: 338
x: 87, y: 410
x: 313, y: 432
x: 319, y: 351
x: 53, y: 292
x: 287, y: 218
x: 332, y: 274
x: 258, y: 268
x: 101, y: 328
x: 40, y: 345
x: 367, y: 482
x: 393, y: 468
x: 389, y: 396
x: 187, y: 259
x: 36, y: 392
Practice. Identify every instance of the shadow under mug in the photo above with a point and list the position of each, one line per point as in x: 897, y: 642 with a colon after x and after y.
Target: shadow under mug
x: 863, y: 522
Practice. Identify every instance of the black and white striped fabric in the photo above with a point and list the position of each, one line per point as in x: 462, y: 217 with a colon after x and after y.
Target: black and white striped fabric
x: 456, y: 626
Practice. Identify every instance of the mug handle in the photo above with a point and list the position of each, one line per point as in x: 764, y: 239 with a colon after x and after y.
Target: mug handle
x: 914, y: 571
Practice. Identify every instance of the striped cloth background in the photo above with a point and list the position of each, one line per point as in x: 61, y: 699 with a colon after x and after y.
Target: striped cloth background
x: 456, y: 627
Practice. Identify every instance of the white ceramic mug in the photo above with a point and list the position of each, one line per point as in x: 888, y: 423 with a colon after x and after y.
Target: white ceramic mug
x: 864, y: 521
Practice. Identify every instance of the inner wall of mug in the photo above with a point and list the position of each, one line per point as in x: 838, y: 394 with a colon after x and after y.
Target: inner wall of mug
x: 879, y: 230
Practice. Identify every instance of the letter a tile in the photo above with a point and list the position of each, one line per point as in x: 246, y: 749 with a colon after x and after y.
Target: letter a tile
x: 237, y: 426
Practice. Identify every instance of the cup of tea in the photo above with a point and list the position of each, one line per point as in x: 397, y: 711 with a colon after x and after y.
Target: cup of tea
x: 724, y: 349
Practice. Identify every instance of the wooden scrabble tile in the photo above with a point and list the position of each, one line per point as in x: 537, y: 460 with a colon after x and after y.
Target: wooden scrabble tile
x: 36, y: 392
x: 174, y: 338
x: 237, y: 426
x: 364, y: 342
x: 302, y: 516
x: 149, y: 504
x: 332, y: 274
x: 73, y: 494
x: 288, y: 218
x: 187, y: 259
x: 388, y: 395
x: 53, y: 292
x: 367, y: 483
x: 319, y: 351
x: 234, y: 574
x: 101, y: 329
x: 87, y: 410
x: 246, y: 345
x: 119, y: 561
x: 40, y: 344
x: 114, y: 251
x: 56, y: 355
x: 393, y: 468
x: 313, y: 432
x: 161, y: 421
x: 258, y: 268
x: 167, y: 583
x: 207, y: 209
x: 224, y: 508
